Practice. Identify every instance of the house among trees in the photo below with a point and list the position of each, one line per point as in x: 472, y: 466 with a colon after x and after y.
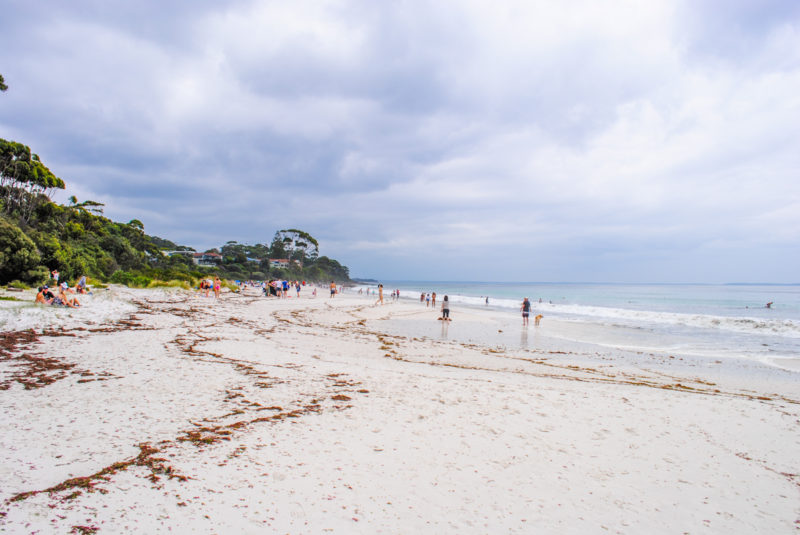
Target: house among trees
x: 173, y: 253
x: 207, y: 259
x: 279, y: 263
x: 283, y: 263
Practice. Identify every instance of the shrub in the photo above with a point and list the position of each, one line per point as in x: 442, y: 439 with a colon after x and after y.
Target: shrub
x: 130, y: 279
x: 170, y: 284
x: 18, y: 253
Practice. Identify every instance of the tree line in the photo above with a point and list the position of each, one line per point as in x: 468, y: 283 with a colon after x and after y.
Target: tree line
x: 38, y: 236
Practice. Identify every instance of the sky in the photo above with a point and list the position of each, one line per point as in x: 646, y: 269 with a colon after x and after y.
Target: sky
x: 581, y: 141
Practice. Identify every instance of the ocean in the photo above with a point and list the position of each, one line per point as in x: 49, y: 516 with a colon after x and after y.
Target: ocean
x: 713, y: 321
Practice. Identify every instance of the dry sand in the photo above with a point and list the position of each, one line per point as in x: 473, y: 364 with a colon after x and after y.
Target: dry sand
x: 255, y: 415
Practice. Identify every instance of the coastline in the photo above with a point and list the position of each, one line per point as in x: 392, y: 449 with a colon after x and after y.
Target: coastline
x: 307, y: 415
x: 696, y: 320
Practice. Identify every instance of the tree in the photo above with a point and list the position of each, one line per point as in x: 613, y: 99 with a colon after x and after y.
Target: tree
x: 18, y: 253
x: 23, y: 179
x: 277, y: 249
x: 3, y: 86
x: 296, y: 245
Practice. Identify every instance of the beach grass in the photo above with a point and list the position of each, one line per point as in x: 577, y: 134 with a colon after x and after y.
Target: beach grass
x: 182, y: 284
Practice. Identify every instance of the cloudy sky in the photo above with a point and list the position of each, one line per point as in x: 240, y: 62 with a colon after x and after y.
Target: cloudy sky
x: 618, y: 141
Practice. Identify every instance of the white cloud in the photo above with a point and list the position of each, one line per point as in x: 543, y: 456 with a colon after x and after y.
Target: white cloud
x: 607, y: 137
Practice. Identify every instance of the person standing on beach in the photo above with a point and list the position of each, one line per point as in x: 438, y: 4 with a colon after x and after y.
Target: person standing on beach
x: 433, y: 299
x: 54, y: 273
x: 526, y: 311
x: 217, y: 286
x: 380, y: 294
x: 445, y: 309
x: 427, y: 300
x: 333, y: 288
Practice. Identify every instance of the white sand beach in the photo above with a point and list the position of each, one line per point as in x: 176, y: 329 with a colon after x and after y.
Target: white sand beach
x: 174, y: 412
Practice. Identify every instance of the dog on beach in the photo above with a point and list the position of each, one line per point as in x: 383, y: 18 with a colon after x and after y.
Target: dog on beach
x: 536, y: 320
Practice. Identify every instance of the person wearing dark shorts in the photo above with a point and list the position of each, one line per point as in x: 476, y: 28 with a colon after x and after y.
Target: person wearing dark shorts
x: 445, y: 309
x: 526, y: 311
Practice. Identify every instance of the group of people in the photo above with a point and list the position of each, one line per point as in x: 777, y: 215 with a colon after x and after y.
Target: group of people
x: 272, y: 288
x: 282, y: 288
x: 62, y: 296
x: 395, y: 295
x: 429, y: 298
x: 207, y: 285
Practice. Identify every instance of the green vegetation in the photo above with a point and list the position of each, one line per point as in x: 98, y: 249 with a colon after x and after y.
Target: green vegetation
x: 38, y: 236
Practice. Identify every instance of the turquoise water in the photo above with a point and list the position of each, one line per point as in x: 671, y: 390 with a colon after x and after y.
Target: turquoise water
x: 709, y: 320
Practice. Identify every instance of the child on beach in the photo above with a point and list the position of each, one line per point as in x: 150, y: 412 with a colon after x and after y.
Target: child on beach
x: 445, y: 309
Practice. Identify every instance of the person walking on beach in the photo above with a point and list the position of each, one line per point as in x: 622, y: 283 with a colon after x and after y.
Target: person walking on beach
x: 526, y: 311
x: 427, y: 300
x: 445, y: 309
x: 433, y: 299
x: 380, y: 294
x: 217, y: 286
